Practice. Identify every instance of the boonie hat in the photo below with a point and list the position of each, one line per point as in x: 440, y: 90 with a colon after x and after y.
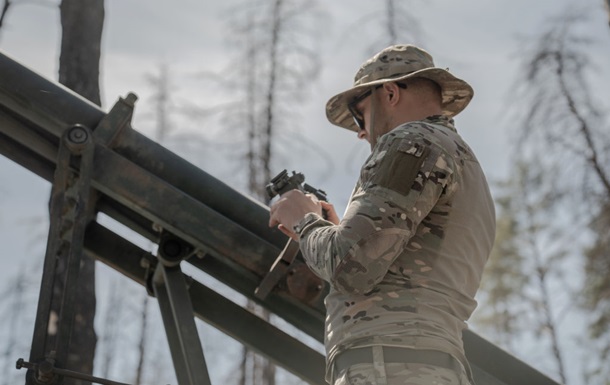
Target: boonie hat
x: 396, y: 63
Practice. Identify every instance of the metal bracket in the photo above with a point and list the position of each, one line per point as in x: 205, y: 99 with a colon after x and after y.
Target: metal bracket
x: 172, y: 249
x: 114, y: 123
x: 171, y: 290
x: 68, y: 217
x: 47, y: 373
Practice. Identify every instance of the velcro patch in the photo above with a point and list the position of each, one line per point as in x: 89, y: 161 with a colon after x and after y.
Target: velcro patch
x: 411, y: 148
x: 400, y: 166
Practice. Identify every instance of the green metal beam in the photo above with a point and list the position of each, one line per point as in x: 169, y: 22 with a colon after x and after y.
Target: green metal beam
x: 211, y: 307
x: 144, y: 184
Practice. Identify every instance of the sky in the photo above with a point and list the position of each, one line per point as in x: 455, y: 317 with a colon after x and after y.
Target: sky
x: 478, y: 40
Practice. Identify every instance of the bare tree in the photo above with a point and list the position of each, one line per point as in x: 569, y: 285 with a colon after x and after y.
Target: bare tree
x: 563, y: 113
x: 79, y: 62
x: 278, y: 60
x: 9, y: 4
x: 111, y: 326
x: 276, y: 54
x: 142, y: 341
x: 162, y: 100
x: 5, y: 7
x: 399, y: 24
x: 564, y: 119
x: 14, y: 314
x: 597, y: 293
x: 390, y: 22
x: 562, y: 138
x: 82, y: 23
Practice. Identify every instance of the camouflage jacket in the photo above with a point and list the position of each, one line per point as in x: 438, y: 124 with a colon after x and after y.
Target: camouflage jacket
x: 406, y: 260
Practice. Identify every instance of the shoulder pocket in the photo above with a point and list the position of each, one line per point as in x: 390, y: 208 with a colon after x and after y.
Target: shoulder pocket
x: 400, y: 168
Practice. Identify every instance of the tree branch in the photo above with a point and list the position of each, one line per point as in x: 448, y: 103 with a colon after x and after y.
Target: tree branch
x: 5, y: 7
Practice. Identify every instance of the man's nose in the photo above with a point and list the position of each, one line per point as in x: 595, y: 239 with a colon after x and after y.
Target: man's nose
x: 362, y: 134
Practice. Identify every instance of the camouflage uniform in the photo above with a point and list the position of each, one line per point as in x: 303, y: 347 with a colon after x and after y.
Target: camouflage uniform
x: 406, y: 260
x: 400, y: 374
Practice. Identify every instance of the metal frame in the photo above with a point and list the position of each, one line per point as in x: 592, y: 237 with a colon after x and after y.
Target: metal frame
x: 137, y: 179
x: 177, y: 312
x: 69, y: 208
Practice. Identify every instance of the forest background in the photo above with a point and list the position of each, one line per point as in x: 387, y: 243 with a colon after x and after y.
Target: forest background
x: 539, y: 124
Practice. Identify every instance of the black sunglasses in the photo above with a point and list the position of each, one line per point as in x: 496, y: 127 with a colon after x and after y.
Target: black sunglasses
x: 351, y: 106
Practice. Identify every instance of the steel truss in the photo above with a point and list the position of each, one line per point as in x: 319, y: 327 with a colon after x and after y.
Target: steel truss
x: 98, y: 163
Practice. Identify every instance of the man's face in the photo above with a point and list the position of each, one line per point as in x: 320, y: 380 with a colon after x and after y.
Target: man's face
x: 360, y: 109
x: 364, y: 110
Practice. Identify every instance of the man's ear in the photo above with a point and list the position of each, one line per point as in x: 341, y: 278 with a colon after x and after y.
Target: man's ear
x: 393, y: 92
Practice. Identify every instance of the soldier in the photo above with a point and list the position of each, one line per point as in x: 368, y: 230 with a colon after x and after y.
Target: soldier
x: 405, y: 261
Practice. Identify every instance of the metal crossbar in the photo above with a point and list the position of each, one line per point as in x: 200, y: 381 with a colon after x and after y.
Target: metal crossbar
x: 154, y: 192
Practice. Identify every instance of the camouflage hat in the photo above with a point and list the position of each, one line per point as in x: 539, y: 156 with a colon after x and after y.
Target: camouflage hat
x: 395, y: 63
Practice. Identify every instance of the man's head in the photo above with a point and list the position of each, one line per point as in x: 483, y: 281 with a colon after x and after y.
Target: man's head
x: 397, y: 75
x: 394, y: 103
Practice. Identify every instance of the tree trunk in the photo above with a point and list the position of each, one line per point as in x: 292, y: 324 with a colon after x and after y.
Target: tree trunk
x: 142, y: 344
x: 79, y: 67
x: 5, y: 7
x: 82, y: 22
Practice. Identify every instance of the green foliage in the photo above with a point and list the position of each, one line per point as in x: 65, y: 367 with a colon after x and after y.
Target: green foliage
x: 503, y: 280
x: 597, y: 286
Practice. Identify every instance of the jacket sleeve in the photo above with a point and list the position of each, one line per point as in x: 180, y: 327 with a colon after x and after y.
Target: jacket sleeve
x: 399, y: 184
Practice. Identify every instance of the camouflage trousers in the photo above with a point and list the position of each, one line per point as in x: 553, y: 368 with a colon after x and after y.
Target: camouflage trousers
x: 398, y: 373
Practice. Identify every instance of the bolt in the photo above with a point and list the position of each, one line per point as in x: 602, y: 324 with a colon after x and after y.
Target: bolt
x: 77, y: 139
x: 131, y: 98
x: 78, y: 134
x: 144, y: 263
x: 45, y: 371
x: 172, y: 249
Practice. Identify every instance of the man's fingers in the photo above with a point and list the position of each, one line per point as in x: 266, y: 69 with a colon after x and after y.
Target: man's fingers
x: 273, y: 222
x: 331, y: 214
x: 291, y: 208
x: 312, y: 197
x: 289, y: 233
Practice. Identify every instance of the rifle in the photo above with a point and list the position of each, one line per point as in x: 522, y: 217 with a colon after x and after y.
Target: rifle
x: 279, y: 185
x: 283, y: 183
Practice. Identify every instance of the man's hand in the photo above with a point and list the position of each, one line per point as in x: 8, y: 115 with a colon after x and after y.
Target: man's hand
x: 330, y: 213
x: 292, y: 206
